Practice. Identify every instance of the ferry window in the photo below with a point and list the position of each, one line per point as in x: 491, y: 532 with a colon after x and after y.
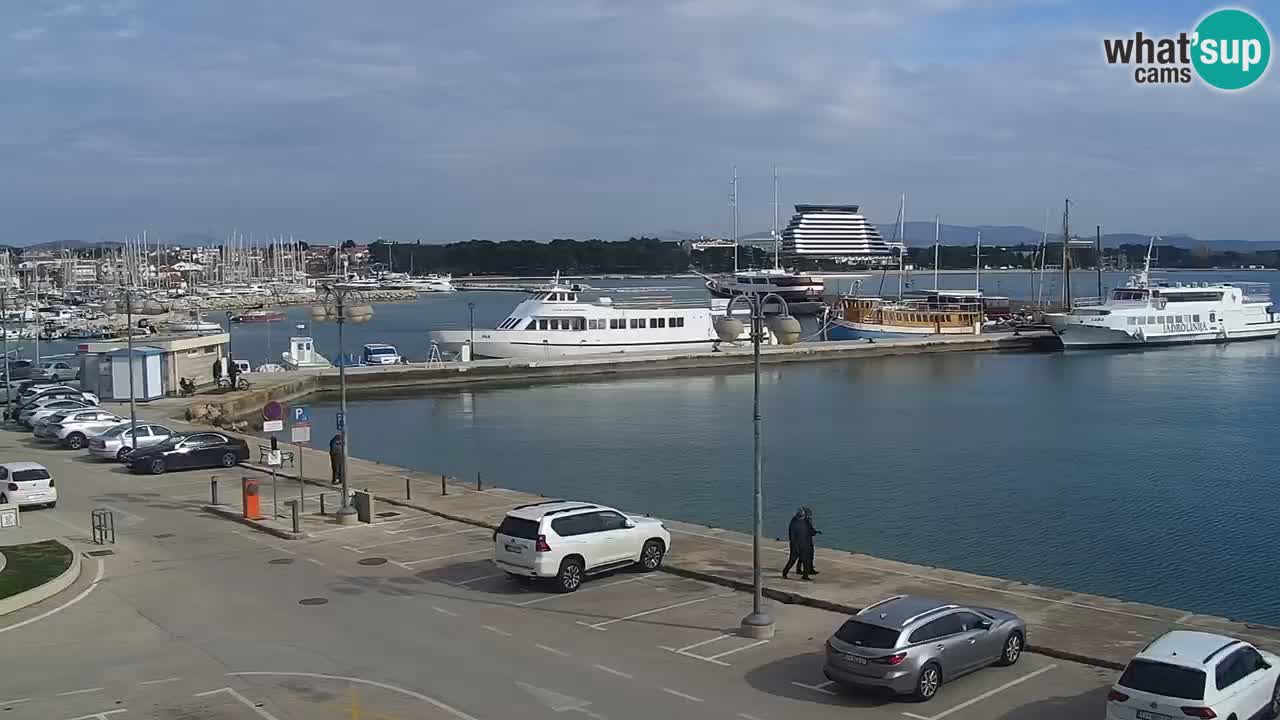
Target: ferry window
x: 615, y: 324
x: 1212, y: 316
x: 542, y: 324
x: 677, y: 322
x: 533, y: 325
x: 1133, y: 321
x: 659, y: 322
x: 579, y: 324
x: 1195, y: 318
x: 636, y: 323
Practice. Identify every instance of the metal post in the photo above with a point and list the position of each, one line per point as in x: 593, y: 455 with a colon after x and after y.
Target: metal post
x: 128, y: 309
x: 1098, y: 243
x: 471, y: 324
x: 294, y: 505
x: 478, y: 486
x: 444, y: 490
x: 758, y: 624
x: 213, y: 491
x: 4, y: 337
x: 322, y: 504
x: 408, y: 494
x: 346, y: 513
x: 302, y: 484
x: 275, y: 498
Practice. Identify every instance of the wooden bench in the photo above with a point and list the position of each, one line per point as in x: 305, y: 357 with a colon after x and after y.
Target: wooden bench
x: 286, y: 456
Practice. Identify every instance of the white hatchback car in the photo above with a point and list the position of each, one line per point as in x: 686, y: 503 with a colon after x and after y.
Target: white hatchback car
x: 27, y: 483
x: 1185, y: 674
x: 570, y: 540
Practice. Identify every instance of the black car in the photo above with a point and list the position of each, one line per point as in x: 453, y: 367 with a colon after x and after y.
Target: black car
x: 197, y: 450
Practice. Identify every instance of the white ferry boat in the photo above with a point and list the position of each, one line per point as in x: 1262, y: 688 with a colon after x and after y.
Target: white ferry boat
x: 1146, y: 313
x: 556, y: 322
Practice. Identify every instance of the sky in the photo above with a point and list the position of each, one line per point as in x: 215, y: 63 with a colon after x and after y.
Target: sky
x: 448, y: 120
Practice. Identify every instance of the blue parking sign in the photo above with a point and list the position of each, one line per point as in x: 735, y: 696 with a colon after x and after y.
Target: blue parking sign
x: 342, y: 421
x: 301, y: 414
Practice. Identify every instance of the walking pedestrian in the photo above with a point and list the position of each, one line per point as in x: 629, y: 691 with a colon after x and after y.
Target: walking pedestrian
x: 336, y: 451
x: 806, y: 556
x: 795, y: 532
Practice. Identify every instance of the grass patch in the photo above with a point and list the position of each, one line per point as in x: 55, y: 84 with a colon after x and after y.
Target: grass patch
x: 32, y: 565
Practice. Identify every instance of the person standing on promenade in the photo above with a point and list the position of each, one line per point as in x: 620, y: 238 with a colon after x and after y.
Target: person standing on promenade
x: 795, y: 534
x: 336, y: 450
x: 806, y: 555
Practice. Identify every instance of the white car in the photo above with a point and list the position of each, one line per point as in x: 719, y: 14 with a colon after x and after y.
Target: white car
x: 27, y: 483
x: 56, y: 371
x: 36, y: 414
x: 116, y: 442
x: 74, y: 429
x: 570, y: 540
x: 1185, y: 674
x: 380, y: 354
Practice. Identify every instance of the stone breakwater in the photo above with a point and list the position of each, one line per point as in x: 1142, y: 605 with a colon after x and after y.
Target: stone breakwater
x: 211, y: 304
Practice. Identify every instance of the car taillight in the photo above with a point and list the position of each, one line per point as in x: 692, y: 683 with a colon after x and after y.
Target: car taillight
x: 542, y: 545
x: 1199, y: 712
x: 13, y: 487
x: 51, y: 483
x: 1117, y: 696
x: 894, y: 659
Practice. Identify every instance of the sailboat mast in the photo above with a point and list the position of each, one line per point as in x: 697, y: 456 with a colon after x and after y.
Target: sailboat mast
x: 977, y: 266
x: 1044, y: 250
x: 1066, y: 256
x: 733, y: 200
x: 937, y: 234
x: 902, y: 245
x: 777, y: 239
x: 1098, y: 247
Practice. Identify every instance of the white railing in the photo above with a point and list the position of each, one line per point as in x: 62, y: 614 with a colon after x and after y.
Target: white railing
x: 1087, y: 302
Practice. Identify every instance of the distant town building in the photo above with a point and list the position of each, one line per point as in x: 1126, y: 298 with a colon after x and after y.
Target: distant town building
x: 837, y: 231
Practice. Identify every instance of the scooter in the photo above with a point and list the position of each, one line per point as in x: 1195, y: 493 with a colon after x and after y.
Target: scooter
x: 186, y: 387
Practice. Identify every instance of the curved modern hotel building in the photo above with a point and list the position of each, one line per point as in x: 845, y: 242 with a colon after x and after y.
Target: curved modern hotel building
x: 832, y: 231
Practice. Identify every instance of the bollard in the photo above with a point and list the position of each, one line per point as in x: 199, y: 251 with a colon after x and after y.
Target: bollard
x: 478, y: 488
x: 293, y: 505
x: 213, y: 491
x: 322, y: 503
x: 250, y: 502
x: 444, y: 489
x: 408, y: 495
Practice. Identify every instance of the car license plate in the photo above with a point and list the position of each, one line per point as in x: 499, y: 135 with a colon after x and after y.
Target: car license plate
x: 856, y: 659
x: 514, y: 549
x: 1144, y: 715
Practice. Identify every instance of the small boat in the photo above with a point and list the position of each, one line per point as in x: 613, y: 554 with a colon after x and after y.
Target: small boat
x: 302, y: 354
x: 258, y: 316
x: 917, y: 314
x: 194, y: 323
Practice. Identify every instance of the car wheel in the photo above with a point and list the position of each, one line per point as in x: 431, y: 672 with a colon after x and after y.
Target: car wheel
x: 651, y: 556
x: 228, y: 460
x: 122, y: 452
x: 570, y: 576
x: 75, y: 441
x: 54, y: 378
x: 4, y: 500
x: 157, y: 466
x: 928, y: 682
x: 1012, y: 649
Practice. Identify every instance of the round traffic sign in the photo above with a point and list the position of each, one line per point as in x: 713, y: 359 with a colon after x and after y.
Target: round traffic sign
x: 272, y: 411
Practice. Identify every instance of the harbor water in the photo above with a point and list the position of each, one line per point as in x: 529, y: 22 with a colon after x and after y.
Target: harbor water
x: 1144, y: 475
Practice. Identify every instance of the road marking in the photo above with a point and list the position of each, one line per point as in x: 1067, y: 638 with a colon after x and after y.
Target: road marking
x: 985, y: 695
x: 79, y: 692
x: 371, y: 683
x: 260, y: 541
x: 160, y: 682
x: 446, y: 557
x: 633, y: 616
x: 679, y: 694
x: 362, y: 548
x: 583, y: 590
x: 478, y: 579
x: 442, y: 611
x: 552, y: 650
x: 748, y: 646
x: 19, y: 701
x: 611, y: 671
x: 820, y: 687
x: 314, y: 561
x: 685, y: 650
x: 354, y: 550
x: 745, y: 716
x: 101, y: 715
x: 401, y: 531
x: 83, y: 594
x: 496, y: 631
x: 242, y: 700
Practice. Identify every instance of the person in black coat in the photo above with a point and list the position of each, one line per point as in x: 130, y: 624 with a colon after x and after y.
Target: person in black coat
x: 806, y: 550
x: 796, y: 538
x: 337, y: 448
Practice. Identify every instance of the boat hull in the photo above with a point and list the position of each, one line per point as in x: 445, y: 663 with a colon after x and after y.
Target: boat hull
x: 499, y: 344
x: 845, y: 330
x: 1078, y: 335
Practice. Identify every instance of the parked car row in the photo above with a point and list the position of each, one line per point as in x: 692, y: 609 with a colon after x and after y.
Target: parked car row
x: 908, y: 645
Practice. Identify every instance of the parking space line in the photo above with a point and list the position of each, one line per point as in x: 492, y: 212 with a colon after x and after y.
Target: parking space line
x: 401, y: 531
x: 602, y: 625
x: 79, y: 692
x: 611, y: 671
x: 679, y: 694
x: 257, y: 710
x: 19, y: 701
x: 552, y: 650
x: 748, y: 646
x: 496, y: 631
x: 160, y: 682
x: 583, y: 590
x: 745, y: 716
x: 102, y: 715
x: 820, y: 687
x: 339, y: 528
x: 478, y: 579
x: 362, y: 548
x: 442, y: 611
x: 446, y: 557
x: 986, y: 694
x: 687, y: 648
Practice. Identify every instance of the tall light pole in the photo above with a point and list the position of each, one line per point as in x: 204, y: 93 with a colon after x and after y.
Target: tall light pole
x: 759, y: 624
x: 128, y: 334
x: 4, y: 338
x: 341, y: 299
x: 471, y: 323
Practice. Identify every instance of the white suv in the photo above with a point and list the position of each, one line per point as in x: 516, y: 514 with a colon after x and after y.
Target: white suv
x: 1197, y: 674
x: 569, y: 540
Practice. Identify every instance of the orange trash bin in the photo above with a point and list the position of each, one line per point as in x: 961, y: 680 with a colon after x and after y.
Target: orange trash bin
x: 249, y: 496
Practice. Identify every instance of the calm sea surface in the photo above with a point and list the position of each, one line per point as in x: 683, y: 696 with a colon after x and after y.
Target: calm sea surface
x: 1146, y: 475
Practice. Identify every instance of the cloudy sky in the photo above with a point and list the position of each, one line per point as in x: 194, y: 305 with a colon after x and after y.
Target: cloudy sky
x: 453, y: 119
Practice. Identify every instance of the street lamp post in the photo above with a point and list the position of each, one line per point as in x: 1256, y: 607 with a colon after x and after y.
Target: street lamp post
x: 341, y: 298
x: 4, y: 338
x: 471, y: 323
x: 128, y: 313
x: 786, y: 329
